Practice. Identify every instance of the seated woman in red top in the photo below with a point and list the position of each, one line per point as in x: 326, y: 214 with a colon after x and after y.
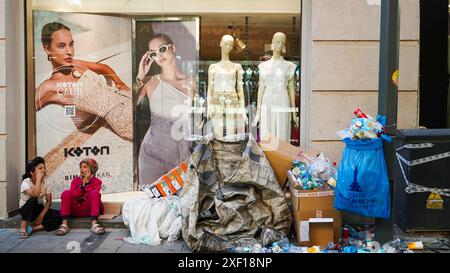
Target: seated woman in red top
x: 83, y: 199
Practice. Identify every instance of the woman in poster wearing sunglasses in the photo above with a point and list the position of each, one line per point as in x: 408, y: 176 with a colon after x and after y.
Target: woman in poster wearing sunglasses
x: 169, y: 93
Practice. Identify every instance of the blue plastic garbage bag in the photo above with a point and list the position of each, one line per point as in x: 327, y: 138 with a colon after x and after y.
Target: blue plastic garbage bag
x: 363, y: 183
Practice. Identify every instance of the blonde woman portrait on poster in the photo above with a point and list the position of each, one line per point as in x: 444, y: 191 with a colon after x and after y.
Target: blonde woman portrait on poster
x: 168, y: 92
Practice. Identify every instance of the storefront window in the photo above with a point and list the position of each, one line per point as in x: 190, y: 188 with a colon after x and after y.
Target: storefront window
x: 136, y: 84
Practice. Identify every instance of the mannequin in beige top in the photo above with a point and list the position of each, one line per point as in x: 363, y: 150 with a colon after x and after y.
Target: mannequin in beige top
x: 276, y: 94
x: 226, y: 104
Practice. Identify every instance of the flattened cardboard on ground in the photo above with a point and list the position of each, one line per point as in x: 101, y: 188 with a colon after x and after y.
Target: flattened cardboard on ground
x: 315, y: 204
x: 281, y: 155
x: 113, y: 203
x: 112, y: 210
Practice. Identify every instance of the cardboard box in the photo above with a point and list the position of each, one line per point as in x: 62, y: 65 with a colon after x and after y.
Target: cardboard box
x: 280, y: 155
x: 112, y: 210
x: 168, y: 184
x: 315, y: 204
x: 321, y: 231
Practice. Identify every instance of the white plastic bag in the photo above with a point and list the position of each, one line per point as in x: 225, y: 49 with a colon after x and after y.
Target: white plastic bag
x: 150, y: 220
x: 175, y: 230
x: 321, y: 168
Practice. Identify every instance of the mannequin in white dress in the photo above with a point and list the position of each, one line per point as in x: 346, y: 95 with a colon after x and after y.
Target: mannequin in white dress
x: 276, y: 94
x: 226, y: 104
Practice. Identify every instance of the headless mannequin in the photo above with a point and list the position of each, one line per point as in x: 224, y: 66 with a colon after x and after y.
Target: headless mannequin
x: 278, y: 46
x: 225, y: 85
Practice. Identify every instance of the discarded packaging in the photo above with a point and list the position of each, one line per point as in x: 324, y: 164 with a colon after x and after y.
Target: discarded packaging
x: 415, y: 245
x: 316, y: 174
x: 364, y: 127
x: 314, y: 249
x: 168, y: 184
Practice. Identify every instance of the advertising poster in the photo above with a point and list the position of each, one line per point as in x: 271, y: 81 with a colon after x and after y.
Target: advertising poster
x: 83, y: 97
x: 166, y: 60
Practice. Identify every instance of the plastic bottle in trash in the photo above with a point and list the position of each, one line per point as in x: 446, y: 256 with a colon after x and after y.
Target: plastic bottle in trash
x: 283, y: 242
x: 257, y: 248
x: 373, y: 246
x: 360, y: 114
x: 343, y: 242
x: 350, y: 249
x: 356, y: 127
x: 331, y: 246
x: 267, y: 250
x: 285, y: 248
x: 276, y: 248
x: 241, y: 249
x: 388, y: 248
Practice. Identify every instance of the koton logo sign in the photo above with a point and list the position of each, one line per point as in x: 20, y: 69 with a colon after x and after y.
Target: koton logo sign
x: 69, y: 88
x: 79, y: 151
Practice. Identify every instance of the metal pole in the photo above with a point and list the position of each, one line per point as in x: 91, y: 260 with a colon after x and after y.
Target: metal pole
x: 389, y: 59
x: 388, y: 94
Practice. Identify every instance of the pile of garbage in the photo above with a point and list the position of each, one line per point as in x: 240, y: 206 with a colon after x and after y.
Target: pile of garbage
x: 363, y: 185
x: 365, y: 127
x: 362, y: 241
x: 318, y: 174
x: 283, y: 246
x: 353, y: 241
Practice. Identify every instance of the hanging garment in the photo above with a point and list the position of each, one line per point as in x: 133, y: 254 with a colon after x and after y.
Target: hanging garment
x: 151, y: 220
x: 276, y: 107
x: 231, y: 198
x: 227, y: 112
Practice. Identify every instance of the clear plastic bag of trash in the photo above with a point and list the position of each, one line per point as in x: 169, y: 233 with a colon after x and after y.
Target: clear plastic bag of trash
x: 321, y: 168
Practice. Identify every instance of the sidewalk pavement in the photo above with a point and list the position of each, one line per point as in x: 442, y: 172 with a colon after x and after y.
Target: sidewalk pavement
x: 82, y: 241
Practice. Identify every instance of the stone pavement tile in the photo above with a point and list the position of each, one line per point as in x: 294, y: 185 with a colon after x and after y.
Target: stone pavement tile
x: 6, y: 247
x: 128, y: 248
x: 110, y: 246
x: 3, y: 231
x: 119, y: 233
x: 186, y: 249
x: 6, y: 234
x: 92, y: 242
x: 151, y: 249
x: 172, y: 247
x: 113, y: 242
x: 11, y: 242
x: 33, y: 243
x: 44, y: 242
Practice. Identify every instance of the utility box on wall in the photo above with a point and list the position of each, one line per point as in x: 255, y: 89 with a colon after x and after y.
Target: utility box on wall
x: 422, y: 180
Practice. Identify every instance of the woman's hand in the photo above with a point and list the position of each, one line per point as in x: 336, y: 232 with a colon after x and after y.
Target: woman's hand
x: 144, y: 66
x: 86, y: 175
x: 40, y: 175
x: 122, y: 86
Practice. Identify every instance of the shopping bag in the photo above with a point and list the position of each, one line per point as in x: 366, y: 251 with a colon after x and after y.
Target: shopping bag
x: 363, y: 183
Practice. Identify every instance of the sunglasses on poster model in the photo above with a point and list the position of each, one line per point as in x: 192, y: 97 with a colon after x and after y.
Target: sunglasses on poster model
x: 161, y: 50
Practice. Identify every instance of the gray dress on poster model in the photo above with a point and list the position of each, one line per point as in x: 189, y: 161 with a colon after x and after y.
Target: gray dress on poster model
x: 164, y: 147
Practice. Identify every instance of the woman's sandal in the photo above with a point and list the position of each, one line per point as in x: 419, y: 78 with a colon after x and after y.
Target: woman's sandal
x: 26, y: 234
x: 62, y: 230
x: 23, y: 235
x: 97, y: 229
